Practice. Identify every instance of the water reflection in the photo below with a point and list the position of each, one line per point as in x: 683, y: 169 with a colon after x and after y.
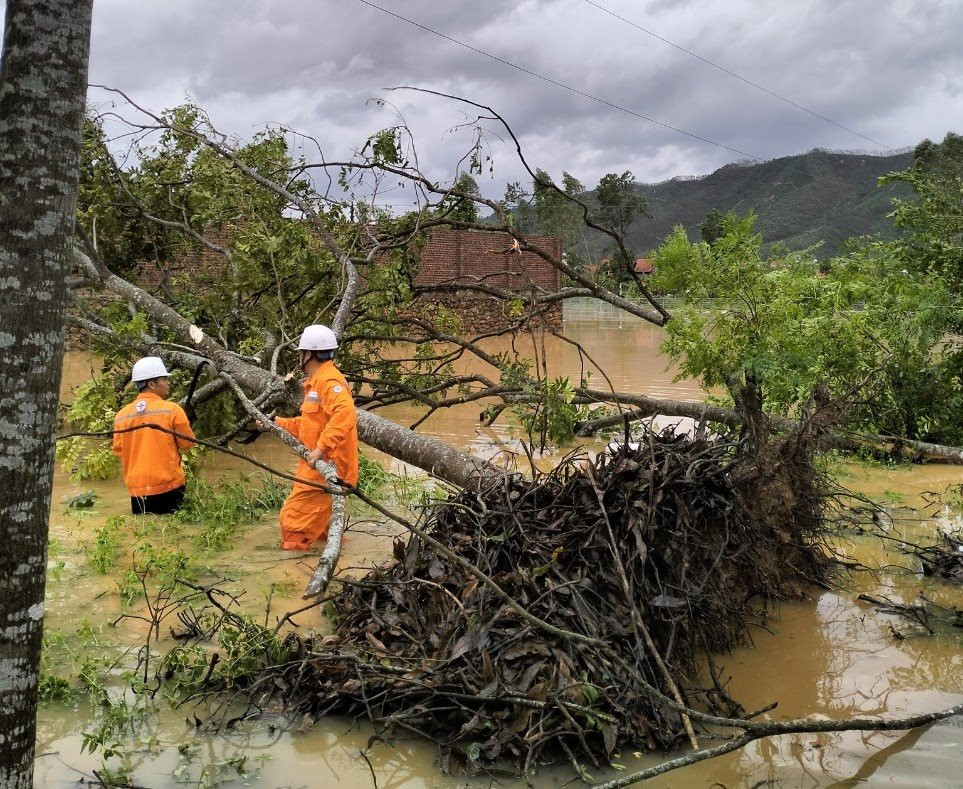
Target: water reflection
x: 834, y: 656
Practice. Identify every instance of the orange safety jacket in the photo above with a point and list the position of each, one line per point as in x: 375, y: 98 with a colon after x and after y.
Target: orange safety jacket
x: 151, y: 458
x: 329, y: 422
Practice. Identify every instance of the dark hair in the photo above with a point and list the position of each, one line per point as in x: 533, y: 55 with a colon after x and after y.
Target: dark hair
x: 142, y: 385
x: 320, y: 356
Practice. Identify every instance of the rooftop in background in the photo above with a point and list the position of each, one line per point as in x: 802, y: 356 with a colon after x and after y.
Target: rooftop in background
x: 643, y: 266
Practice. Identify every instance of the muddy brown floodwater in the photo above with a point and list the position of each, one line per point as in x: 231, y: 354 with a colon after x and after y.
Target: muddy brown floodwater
x: 833, y: 656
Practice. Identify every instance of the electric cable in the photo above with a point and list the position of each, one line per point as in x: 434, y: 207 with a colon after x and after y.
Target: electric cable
x: 557, y: 83
x: 599, y: 99
x: 731, y: 73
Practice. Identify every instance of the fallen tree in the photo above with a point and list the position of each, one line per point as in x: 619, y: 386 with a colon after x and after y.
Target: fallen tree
x: 644, y: 407
x: 560, y: 618
x: 552, y: 617
x: 644, y: 561
x: 367, y: 286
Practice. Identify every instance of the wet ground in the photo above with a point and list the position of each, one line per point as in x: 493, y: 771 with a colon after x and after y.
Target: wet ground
x: 834, y: 656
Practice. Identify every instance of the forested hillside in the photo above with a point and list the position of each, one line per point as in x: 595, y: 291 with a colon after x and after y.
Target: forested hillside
x: 800, y: 200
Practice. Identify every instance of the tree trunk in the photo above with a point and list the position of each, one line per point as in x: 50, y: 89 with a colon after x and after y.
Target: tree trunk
x: 43, y: 84
x: 644, y: 406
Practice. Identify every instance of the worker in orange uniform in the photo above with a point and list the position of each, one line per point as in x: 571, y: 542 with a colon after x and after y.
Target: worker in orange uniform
x: 152, y: 458
x: 328, y: 426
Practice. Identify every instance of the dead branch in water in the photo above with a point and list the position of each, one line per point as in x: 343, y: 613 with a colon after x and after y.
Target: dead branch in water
x: 565, y: 616
x: 644, y: 407
x: 776, y: 728
x: 503, y: 630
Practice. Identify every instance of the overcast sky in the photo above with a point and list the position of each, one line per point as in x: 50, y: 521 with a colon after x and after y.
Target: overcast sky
x: 891, y: 70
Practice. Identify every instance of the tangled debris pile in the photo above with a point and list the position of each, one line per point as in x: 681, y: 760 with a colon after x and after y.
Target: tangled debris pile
x: 637, y: 564
x: 944, y: 560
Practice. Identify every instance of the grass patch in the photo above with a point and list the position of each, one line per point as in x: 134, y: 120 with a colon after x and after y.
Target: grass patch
x: 102, y: 551
x: 219, y: 511
x: 71, y: 664
x: 372, y: 476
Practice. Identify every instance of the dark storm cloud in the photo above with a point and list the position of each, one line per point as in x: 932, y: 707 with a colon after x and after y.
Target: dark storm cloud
x: 886, y: 68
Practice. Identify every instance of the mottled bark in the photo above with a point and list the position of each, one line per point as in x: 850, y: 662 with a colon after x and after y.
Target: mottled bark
x: 43, y: 83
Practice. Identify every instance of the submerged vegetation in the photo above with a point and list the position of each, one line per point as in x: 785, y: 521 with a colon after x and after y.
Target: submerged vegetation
x: 557, y: 617
x: 607, y: 572
x: 217, y: 512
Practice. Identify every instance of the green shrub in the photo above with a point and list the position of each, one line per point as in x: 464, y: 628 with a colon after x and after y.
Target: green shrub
x: 102, y: 552
x: 219, y: 511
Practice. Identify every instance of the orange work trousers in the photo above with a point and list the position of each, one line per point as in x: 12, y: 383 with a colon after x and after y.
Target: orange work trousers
x: 304, y: 518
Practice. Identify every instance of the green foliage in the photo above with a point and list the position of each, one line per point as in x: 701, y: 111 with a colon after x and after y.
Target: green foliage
x: 558, y: 216
x: 385, y: 147
x: 519, y: 206
x: 220, y: 510
x: 95, y: 403
x: 273, y: 267
x: 119, y: 241
x: 245, y: 648
x: 103, y: 549
x: 71, y: 665
x: 125, y: 324
x: 932, y: 220
x: 120, y: 732
x: 785, y: 326
x: 619, y: 202
x: 552, y: 415
x: 463, y: 209
x: 213, y: 418
x: 712, y: 227
x: 372, y: 476
x: 153, y: 565
x: 514, y: 372
x: 214, y: 772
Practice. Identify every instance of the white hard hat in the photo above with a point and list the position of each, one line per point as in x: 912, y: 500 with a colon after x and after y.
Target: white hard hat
x: 317, y: 338
x: 147, y: 368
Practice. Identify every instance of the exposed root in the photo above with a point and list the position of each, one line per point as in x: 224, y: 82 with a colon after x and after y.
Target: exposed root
x: 653, y: 556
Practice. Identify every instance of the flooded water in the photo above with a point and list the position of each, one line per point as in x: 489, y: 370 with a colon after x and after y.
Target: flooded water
x: 834, y: 656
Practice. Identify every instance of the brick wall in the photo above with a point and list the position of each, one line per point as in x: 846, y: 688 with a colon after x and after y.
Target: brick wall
x: 447, y: 256
x: 193, y: 267
x: 458, y: 255
x: 484, y: 315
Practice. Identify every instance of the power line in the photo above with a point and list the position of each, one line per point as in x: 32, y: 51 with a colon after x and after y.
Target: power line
x: 591, y: 96
x: 731, y: 73
x: 558, y: 84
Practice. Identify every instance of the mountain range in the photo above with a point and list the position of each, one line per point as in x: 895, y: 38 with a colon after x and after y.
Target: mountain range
x: 819, y: 196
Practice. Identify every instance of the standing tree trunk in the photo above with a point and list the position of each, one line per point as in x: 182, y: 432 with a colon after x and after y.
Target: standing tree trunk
x: 43, y: 85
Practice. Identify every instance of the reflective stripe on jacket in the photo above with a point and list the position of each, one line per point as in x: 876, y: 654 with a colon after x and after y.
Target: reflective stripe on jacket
x: 328, y: 422
x: 151, y: 458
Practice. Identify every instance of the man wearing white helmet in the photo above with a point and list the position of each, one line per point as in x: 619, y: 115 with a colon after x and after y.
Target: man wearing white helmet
x: 328, y: 426
x: 152, y: 458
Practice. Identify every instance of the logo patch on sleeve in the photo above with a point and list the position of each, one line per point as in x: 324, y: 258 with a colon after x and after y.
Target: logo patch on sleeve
x: 338, y: 389
x: 141, y: 406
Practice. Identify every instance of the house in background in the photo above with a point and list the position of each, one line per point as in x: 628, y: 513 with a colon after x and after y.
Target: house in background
x: 464, y: 256
x: 461, y: 257
x: 448, y: 258
x: 643, y: 266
